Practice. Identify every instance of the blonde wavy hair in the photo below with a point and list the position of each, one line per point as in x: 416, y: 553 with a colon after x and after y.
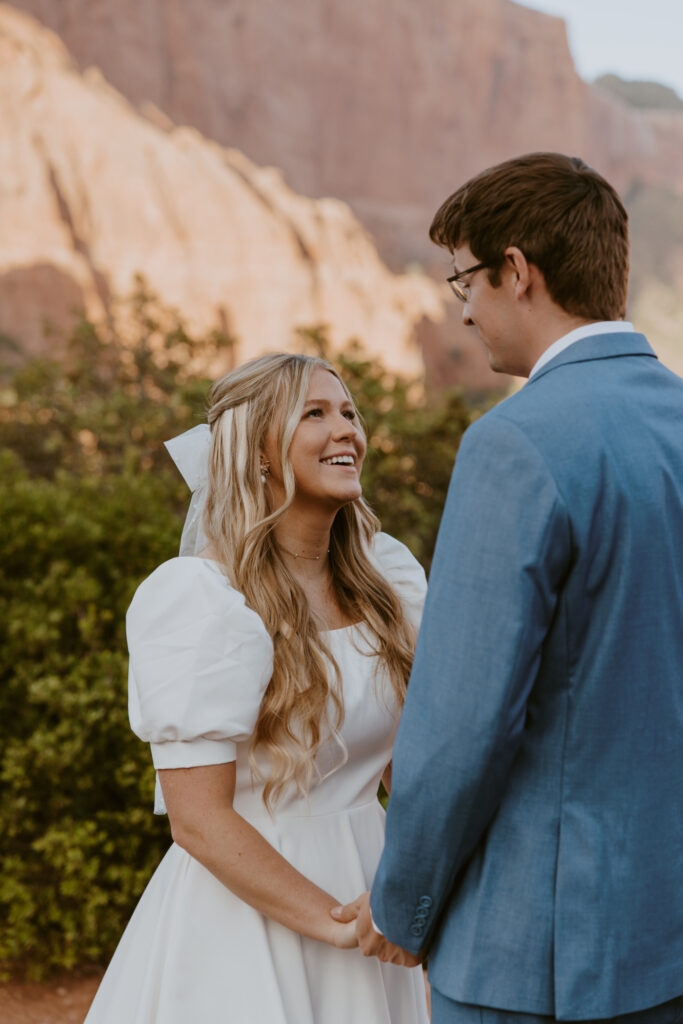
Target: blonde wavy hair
x: 303, y: 702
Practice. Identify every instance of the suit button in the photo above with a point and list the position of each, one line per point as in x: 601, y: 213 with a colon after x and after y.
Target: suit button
x: 416, y: 930
x: 424, y: 901
x: 421, y: 913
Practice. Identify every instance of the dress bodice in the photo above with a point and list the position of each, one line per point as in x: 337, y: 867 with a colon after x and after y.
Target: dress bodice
x: 200, y: 661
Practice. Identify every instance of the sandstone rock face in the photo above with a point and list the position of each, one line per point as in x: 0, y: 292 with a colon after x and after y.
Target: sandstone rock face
x: 387, y: 105
x: 92, y: 193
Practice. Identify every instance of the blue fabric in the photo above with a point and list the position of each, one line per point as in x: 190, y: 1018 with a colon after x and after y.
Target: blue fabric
x: 445, y: 1011
x: 535, y: 826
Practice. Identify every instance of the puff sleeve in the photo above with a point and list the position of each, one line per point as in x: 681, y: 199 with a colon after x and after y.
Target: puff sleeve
x: 405, y: 574
x: 200, y: 661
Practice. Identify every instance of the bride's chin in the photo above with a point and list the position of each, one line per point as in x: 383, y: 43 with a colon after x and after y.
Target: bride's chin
x: 351, y: 495
x: 337, y: 501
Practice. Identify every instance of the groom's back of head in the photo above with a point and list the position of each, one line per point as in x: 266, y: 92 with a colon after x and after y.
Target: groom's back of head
x: 564, y: 216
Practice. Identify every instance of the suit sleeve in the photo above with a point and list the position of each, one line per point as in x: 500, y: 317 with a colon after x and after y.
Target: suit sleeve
x: 503, y: 549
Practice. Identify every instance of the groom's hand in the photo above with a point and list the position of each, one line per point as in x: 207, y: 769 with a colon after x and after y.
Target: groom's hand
x: 372, y: 942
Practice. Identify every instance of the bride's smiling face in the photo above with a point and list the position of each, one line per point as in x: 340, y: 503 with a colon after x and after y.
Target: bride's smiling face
x: 327, y: 449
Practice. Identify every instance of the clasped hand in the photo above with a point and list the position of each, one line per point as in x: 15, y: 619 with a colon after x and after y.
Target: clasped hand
x: 370, y: 941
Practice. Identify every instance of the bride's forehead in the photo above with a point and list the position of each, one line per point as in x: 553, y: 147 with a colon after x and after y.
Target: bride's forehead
x: 325, y: 385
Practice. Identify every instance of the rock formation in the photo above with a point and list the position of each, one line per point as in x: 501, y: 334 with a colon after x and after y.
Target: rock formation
x: 92, y: 193
x: 387, y: 105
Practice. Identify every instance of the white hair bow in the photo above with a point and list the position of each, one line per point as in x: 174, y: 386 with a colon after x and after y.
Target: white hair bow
x: 190, y: 452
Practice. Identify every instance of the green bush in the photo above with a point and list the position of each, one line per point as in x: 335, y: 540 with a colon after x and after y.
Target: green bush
x: 78, y: 840
x: 90, y: 504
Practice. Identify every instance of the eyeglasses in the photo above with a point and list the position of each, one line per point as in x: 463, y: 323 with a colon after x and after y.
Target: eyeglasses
x: 462, y: 292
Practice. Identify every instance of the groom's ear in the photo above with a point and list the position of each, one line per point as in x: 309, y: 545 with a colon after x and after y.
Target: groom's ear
x: 519, y: 270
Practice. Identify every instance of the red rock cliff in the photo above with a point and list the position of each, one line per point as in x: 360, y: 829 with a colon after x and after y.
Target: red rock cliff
x: 387, y: 104
x: 91, y: 193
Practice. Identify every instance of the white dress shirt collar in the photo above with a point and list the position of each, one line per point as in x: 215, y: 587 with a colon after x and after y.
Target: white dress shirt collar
x: 602, y: 327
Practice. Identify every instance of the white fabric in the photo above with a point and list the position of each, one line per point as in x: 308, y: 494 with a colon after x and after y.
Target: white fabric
x: 190, y: 634
x: 193, y: 951
x: 587, y: 331
x: 190, y: 452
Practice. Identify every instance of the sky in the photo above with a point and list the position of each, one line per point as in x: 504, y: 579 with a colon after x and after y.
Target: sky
x: 635, y: 39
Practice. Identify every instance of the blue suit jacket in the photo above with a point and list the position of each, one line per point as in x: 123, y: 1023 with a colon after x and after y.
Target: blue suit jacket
x: 535, y: 826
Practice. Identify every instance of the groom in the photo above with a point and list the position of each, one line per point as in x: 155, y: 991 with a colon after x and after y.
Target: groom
x: 535, y: 828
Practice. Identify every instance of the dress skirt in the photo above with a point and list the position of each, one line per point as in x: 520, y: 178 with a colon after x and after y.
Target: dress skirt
x: 194, y: 952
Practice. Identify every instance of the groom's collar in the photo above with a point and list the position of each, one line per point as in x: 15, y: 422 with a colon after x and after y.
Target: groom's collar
x: 585, y: 331
x: 604, y: 340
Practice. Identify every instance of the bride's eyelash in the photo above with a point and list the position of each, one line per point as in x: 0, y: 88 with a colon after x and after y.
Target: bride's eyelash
x: 350, y: 413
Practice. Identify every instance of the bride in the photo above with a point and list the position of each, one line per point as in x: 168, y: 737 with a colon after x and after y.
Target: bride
x: 268, y: 666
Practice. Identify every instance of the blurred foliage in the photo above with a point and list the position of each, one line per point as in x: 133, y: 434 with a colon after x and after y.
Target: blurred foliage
x: 90, y: 504
x: 109, y: 396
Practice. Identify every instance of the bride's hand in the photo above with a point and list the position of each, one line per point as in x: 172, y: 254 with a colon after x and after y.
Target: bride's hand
x: 343, y: 936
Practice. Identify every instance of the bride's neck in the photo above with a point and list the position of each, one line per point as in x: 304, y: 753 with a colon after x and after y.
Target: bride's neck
x: 304, y: 542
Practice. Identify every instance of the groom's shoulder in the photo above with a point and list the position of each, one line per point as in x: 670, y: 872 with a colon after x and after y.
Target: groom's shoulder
x: 512, y: 426
x: 568, y: 396
x: 582, y: 405
x: 543, y: 419
x: 525, y: 411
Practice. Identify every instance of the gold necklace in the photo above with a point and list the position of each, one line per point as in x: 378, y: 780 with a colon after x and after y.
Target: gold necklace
x: 295, y: 554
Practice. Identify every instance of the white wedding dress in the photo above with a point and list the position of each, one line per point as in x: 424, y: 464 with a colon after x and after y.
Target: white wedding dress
x: 193, y: 953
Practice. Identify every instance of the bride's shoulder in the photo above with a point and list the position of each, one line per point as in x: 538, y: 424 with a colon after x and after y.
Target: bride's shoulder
x: 400, y: 567
x: 200, y: 662
x: 188, y: 593
x: 392, y: 555
x: 178, y: 574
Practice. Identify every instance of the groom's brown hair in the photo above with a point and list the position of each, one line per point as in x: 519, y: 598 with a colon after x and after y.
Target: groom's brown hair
x: 567, y: 220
